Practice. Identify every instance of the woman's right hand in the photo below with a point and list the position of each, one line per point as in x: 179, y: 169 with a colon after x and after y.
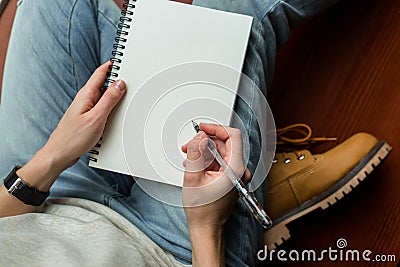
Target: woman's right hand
x: 208, y: 192
x: 204, y: 178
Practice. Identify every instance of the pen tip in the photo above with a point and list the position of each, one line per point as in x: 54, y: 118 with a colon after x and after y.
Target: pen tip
x: 196, y: 126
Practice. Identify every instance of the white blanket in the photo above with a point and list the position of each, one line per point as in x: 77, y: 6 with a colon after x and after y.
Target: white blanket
x: 77, y: 232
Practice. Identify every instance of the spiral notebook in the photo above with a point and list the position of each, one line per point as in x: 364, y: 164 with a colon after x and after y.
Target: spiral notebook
x: 159, y: 41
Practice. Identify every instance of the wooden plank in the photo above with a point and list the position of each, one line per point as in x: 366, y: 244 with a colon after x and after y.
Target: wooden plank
x: 340, y: 74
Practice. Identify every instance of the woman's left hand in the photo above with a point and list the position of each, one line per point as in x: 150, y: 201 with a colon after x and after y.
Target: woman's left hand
x: 83, y: 123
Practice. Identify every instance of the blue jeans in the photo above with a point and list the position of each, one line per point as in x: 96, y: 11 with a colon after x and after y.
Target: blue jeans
x: 55, y: 47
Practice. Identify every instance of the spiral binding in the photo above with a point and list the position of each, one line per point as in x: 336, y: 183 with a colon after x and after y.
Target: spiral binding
x: 122, y: 33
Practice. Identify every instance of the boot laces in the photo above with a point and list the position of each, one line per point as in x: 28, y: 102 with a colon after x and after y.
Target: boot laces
x: 299, y: 135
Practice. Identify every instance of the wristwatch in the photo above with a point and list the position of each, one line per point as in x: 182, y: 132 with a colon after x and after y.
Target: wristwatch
x: 23, y: 191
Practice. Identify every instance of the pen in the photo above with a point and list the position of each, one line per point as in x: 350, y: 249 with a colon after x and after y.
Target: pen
x: 248, y: 197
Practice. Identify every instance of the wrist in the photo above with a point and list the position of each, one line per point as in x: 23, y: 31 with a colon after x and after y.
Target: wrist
x: 202, y: 231
x: 42, y: 170
x: 207, y: 248
x: 55, y: 155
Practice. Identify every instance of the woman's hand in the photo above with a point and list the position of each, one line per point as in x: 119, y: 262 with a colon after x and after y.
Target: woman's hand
x: 77, y: 132
x: 83, y: 123
x: 208, y: 194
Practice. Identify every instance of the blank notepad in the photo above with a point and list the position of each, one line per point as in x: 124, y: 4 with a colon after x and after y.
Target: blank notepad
x: 170, y: 51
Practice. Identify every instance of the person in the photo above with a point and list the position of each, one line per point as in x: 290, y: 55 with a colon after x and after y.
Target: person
x: 51, y: 114
x: 77, y: 132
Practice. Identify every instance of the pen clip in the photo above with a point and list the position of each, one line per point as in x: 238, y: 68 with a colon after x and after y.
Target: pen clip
x: 255, y: 207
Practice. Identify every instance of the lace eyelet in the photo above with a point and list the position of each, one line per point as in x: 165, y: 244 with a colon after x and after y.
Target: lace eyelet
x: 287, y: 160
x: 301, y: 157
x: 275, y: 160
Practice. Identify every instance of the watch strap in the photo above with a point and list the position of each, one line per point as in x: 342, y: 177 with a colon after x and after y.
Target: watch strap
x: 23, y: 191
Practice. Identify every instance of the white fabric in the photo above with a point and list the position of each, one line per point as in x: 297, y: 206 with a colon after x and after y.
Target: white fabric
x: 77, y: 232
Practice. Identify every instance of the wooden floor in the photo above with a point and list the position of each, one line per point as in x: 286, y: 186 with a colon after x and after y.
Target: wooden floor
x: 340, y: 73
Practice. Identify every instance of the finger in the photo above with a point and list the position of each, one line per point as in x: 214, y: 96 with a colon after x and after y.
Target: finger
x: 99, y: 76
x: 196, y: 161
x: 193, y: 147
x: 233, y: 142
x: 247, y: 176
x: 92, y: 91
x: 232, y: 151
x: 208, y: 155
x: 220, y: 146
x: 218, y: 131
x: 214, y: 166
x: 218, y: 143
x: 110, y: 98
x: 209, y: 159
x: 222, y: 133
x: 184, y: 148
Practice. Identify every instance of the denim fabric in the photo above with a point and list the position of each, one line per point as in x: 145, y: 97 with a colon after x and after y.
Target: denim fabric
x: 57, y: 44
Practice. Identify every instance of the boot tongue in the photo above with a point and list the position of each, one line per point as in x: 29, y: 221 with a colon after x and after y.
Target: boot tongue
x: 292, y: 138
x: 287, y: 164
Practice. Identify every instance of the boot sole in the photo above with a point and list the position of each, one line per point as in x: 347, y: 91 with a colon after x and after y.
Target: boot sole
x: 279, y: 232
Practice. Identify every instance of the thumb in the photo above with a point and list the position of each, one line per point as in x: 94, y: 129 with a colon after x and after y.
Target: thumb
x: 110, y: 98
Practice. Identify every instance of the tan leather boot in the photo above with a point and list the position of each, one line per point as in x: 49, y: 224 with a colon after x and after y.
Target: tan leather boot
x: 300, y: 182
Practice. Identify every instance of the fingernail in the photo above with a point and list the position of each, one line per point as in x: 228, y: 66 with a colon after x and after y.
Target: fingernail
x: 120, y: 85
